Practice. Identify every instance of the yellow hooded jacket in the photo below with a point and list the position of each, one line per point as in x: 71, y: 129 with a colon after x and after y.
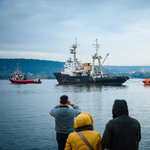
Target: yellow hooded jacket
x: 74, y: 141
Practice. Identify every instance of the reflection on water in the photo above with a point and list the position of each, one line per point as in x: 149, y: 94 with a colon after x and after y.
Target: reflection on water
x: 80, y: 88
x: 88, y: 88
x: 146, y: 86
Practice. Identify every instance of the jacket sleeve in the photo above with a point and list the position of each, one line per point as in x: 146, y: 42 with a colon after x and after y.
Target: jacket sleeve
x: 53, y: 111
x: 139, y: 133
x: 101, y: 147
x: 99, y: 144
x: 76, y: 110
x: 107, y: 137
x: 68, y: 144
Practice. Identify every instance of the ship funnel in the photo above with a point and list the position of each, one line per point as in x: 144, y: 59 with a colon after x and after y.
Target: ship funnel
x: 87, y: 66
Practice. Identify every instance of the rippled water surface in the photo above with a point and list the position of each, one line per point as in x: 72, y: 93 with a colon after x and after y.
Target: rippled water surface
x: 25, y: 122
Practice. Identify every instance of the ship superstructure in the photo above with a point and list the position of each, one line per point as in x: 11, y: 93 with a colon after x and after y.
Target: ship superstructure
x: 73, y: 67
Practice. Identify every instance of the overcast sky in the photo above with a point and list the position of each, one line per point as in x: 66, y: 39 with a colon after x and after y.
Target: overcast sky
x: 45, y: 29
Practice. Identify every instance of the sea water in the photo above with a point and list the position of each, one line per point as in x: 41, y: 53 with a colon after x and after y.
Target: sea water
x: 25, y: 123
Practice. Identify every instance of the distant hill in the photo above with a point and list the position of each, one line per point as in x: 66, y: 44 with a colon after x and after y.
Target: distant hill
x: 29, y: 67
x: 45, y: 68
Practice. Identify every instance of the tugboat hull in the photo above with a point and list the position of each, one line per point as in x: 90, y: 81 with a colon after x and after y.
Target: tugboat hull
x: 146, y: 81
x: 24, y: 81
x: 88, y: 80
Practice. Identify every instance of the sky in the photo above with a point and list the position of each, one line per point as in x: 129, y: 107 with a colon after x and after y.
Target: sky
x: 46, y: 30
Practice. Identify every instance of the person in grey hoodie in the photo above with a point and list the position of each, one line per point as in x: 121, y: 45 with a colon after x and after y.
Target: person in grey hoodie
x: 64, y: 119
x: 122, y: 132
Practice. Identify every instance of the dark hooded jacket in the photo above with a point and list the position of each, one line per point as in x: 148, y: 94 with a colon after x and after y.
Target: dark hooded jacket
x: 122, y: 132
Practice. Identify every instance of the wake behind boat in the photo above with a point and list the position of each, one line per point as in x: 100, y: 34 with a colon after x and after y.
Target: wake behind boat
x: 74, y: 72
x: 20, y: 78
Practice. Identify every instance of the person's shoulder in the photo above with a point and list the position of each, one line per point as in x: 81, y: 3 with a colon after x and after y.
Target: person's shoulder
x: 97, y: 133
x: 73, y: 135
x: 93, y: 135
x: 91, y: 132
x: 57, y: 106
x: 111, y: 121
x: 134, y: 120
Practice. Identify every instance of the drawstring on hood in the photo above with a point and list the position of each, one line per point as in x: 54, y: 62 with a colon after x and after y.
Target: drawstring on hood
x: 119, y: 108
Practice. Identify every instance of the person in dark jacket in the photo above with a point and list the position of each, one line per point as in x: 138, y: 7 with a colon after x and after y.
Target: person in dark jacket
x: 64, y: 119
x: 122, y: 132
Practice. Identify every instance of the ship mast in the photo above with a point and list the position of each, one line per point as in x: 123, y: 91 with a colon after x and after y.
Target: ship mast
x: 96, y: 57
x: 73, y: 51
x: 18, y: 71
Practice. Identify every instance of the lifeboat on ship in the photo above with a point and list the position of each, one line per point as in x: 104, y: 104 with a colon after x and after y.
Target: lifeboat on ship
x: 80, y: 70
x: 20, y: 78
x: 146, y: 81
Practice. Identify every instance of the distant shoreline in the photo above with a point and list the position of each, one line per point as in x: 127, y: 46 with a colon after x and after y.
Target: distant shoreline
x: 45, y: 69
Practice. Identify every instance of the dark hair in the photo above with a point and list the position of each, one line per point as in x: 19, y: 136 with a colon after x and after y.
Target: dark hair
x: 64, y: 99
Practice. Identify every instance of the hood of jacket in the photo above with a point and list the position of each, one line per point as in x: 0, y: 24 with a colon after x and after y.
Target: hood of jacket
x: 119, y: 108
x: 63, y: 111
x: 83, y: 119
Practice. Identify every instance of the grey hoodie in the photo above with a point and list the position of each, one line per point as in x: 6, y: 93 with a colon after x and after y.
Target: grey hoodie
x: 64, y: 118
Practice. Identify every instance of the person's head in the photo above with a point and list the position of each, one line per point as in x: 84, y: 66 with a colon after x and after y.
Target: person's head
x: 83, y: 119
x: 119, y: 108
x: 64, y: 99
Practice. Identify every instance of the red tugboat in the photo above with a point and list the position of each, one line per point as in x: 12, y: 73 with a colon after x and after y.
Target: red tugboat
x: 75, y: 73
x: 20, y: 78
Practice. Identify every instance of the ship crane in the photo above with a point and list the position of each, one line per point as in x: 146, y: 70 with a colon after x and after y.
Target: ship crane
x: 96, y: 57
x: 105, y: 58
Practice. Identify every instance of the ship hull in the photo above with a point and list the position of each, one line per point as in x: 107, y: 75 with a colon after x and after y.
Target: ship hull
x: 88, y: 80
x: 23, y: 81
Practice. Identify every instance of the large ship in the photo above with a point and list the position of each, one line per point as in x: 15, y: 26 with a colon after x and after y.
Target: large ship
x: 74, y: 72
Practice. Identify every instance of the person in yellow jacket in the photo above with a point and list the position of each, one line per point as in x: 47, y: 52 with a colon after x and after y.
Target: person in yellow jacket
x: 84, y: 124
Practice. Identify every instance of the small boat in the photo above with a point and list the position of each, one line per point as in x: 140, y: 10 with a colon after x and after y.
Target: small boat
x: 146, y: 81
x: 20, y: 78
x: 74, y: 72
